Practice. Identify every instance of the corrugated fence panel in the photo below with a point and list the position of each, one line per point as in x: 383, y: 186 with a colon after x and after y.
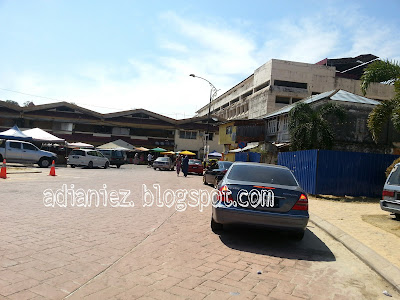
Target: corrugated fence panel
x: 303, y: 164
x: 241, y: 156
x: 351, y: 173
x: 254, y: 157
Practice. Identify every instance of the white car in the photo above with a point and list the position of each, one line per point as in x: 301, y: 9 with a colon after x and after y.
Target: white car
x: 391, y: 193
x: 87, y: 158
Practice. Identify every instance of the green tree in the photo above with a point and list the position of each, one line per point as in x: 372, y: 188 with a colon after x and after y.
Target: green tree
x: 12, y: 102
x: 389, y: 73
x: 310, y: 128
x: 28, y: 104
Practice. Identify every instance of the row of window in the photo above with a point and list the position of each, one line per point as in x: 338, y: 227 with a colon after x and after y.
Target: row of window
x: 192, y: 135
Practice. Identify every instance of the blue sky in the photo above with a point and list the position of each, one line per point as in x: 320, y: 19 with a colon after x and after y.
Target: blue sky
x: 119, y: 55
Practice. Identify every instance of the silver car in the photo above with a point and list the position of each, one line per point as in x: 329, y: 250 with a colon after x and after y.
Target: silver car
x: 391, y: 193
x: 163, y: 163
x: 261, y: 195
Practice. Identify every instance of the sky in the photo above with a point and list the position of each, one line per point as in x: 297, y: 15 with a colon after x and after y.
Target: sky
x: 119, y: 55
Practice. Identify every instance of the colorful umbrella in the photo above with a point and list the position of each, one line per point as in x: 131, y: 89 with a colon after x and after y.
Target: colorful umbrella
x: 158, y: 149
x: 187, y: 153
x: 168, y: 153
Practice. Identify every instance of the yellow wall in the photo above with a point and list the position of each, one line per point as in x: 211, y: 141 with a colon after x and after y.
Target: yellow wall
x: 226, y: 139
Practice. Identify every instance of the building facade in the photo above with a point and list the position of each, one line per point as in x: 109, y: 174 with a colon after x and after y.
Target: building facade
x: 278, y: 83
x: 350, y: 135
x: 139, y: 127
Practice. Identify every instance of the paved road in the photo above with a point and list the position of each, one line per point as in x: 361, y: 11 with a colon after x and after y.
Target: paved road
x: 156, y: 252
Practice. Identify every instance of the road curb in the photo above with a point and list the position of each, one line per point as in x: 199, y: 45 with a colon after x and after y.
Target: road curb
x: 375, y: 261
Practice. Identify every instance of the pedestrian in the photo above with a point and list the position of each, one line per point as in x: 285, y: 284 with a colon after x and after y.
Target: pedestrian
x: 178, y: 164
x: 149, y: 158
x: 185, y: 166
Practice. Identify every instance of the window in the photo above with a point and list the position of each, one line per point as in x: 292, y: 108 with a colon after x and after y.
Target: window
x: 78, y: 152
x: 299, y: 85
x: 272, y: 124
x: 294, y: 100
x: 262, y: 174
x: 15, y: 145
x: 210, y: 136
x: 29, y: 147
x: 228, y: 130
x: 92, y: 153
x: 191, y: 135
x: 261, y: 86
x: 284, y: 100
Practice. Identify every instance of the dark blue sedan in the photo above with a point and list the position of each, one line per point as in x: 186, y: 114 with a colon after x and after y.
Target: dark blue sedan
x: 261, y: 195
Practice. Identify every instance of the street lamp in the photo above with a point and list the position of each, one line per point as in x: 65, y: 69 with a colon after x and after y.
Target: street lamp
x: 213, y: 94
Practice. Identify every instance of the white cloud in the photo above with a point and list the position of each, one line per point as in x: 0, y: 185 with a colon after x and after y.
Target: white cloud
x: 222, y: 54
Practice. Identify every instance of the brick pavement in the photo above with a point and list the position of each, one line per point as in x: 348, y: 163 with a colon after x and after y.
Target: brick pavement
x: 157, y: 253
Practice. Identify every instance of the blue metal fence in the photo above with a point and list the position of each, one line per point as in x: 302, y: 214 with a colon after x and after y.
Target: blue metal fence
x: 337, y: 172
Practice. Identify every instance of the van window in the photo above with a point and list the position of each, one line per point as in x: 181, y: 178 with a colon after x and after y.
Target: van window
x: 78, y: 152
x: 394, y: 178
x: 92, y: 153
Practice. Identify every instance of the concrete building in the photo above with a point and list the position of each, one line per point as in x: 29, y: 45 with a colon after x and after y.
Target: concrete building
x: 139, y: 127
x: 351, y: 135
x: 278, y: 83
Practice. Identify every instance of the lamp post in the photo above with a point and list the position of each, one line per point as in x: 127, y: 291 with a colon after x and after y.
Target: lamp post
x: 213, y: 94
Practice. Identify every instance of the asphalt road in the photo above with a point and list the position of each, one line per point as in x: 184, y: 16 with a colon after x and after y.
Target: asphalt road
x: 128, y: 244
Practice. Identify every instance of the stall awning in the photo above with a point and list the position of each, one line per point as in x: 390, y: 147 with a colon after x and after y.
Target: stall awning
x: 248, y: 147
x: 38, y: 134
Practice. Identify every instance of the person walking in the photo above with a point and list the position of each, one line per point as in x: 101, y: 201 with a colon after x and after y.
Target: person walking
x: 178, y: 164
x: 149, y: 159
x: 185, y: 166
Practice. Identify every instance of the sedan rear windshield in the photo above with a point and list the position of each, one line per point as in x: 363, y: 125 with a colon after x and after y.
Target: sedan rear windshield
x: 262, y: 174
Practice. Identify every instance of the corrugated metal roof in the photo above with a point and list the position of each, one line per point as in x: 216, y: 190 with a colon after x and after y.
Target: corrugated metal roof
x: 335, y: 95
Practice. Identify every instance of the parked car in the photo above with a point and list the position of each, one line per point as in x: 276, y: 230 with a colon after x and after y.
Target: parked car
x: 195, y: 166
x: 87, y: 158
x: 215, y: 172
x: 163, y: 163
x: 24, y: 152
x: 391, y: 193
x: 261, y: 195
x: 116, y: 157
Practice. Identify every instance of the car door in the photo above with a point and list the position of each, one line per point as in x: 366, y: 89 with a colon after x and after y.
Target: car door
x: 14, y: 151
x: 94, y: 158
x: 29, y: 153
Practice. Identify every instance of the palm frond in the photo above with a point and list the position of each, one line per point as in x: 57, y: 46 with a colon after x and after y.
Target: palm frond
x: 379, y: 116
x: 380, y: 71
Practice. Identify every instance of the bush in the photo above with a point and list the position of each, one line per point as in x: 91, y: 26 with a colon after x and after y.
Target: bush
x: 389, y: 169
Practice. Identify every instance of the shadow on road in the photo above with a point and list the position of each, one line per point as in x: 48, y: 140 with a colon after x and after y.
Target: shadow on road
x: 278, y: 244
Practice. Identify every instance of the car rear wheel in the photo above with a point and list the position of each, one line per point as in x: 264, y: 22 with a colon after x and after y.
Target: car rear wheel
x: 107, y: 164
x: 72, y: 166
x: 90, y: 165
x: 397, y: 217
x: 44, y: 162
x: 297, y: 235
x: 118, y: 166
x: 216, y: 227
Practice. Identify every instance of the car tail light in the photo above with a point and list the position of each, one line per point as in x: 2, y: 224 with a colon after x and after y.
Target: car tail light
x: 224, y: 195
x: 302, y: 203
x: 387, y: 193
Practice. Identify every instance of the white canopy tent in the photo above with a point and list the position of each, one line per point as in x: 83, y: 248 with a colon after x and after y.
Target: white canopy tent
x: 117, y: 145
x: 38, y: 134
